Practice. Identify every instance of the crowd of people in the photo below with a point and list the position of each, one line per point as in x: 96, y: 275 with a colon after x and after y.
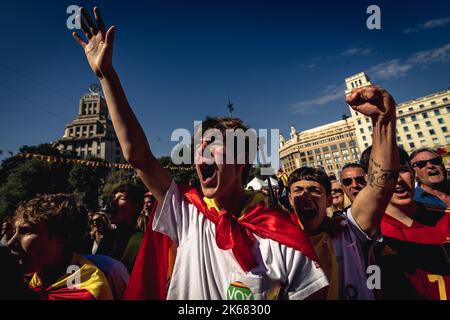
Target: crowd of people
x: 381, y: 230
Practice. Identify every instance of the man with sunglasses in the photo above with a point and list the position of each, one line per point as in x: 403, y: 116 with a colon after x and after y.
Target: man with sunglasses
x: 434, y: 187
x: 353, y: 179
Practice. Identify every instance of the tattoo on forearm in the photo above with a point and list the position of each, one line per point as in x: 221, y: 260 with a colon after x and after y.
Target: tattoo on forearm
x: 379, y: 177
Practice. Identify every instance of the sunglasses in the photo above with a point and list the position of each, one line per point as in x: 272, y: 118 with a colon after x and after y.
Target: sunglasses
x: 359, y: 180
x: 337, y: 191
x: 422, y: 163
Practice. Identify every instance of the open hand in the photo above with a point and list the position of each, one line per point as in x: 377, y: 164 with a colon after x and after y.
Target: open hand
x: 99, y: 47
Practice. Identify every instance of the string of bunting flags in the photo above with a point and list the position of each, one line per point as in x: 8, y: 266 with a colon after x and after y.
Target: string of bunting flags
x: 89, y: 163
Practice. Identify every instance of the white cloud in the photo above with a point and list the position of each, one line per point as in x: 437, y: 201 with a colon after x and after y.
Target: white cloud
x: 441, y: 22
x: 441, y: 54
x: 306, y: 107
x: 356, y: 52
x: 397, y: 68
x: 309, y: 66
x: 390, y: 69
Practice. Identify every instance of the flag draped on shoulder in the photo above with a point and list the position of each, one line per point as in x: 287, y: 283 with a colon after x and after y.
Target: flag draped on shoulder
x: 154, y: 263
x: 87, y: 282
x: 151, y: 271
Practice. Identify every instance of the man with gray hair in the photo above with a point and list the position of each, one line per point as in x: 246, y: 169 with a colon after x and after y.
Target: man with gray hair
x: 434, y: 187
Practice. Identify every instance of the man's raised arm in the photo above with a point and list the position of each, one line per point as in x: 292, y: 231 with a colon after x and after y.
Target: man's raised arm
x: 370, y: 204
x: 132, y: 139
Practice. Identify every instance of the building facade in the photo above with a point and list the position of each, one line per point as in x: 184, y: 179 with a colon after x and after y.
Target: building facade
x: 422, y: 122
x: 91, y: 133
x: 329, y: 146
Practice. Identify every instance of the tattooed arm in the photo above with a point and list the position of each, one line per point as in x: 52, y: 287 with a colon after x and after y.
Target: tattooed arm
x: 370, y: 204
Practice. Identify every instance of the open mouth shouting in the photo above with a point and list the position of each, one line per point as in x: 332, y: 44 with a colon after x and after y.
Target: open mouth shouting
x: 305, y: 209
x: 433, y: 173
x: 208, y: 174
x: 402, y: 191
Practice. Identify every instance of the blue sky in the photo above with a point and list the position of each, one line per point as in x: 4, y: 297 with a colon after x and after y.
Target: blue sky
x: 281, y: 62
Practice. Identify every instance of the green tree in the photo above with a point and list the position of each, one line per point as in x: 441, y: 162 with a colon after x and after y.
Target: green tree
x: 86, y: 182
x: 22, y: 179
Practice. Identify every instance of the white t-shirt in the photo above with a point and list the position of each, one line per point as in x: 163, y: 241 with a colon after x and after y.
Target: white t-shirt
x: 349, y: 248
x: 204, y: 271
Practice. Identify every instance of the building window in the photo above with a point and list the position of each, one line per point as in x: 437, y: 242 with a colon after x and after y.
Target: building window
x: 410, y: 109
x: 445, y: 100
x: 413, y: 118
x: 428, y: 123
x: 432, y: 132
x: 316, y: 151
x: 441, y: 121
x: 435, y: 141
x: 400, y: 146
x: 325, y: 149
x: 309, y: 152
x: 402, y: 120
x: 433, y: 103
x: 412, y: 145
x: 448, y: 109
x: 437, y: 112
x: 447, y: 138
x: 444, y: 129
x: 398, y: 139
x: 420, y: 134
x: 366, y: 145
x: 406, y: 129
x: 416, y: 126
x: 425, y: 115
x: 408, y: 137
x: 400, y: 112
x: 302, y: 154
x: 364, y: 138
x: 333, y: 147
x: 367, y: 120
x: 423, y: 143
x: 311, y: 159
x: 359, y: 121
x: 361, y: 130
x: 421, y: 106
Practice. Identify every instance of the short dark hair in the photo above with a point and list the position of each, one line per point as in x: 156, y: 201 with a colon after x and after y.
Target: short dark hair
x: 416, y: 152
x: 365, y: 158
x: 310, y: 174
x: 404, y: 157
x: 351, y: 165
x: 134, y: 193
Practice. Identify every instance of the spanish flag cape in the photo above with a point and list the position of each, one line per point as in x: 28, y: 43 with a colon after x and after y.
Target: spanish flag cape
x: 87, y: 282
x: 152, y: 269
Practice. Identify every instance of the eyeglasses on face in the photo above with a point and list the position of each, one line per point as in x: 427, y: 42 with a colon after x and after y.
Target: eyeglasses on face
x: 422, y: 163
x: 337, y: 191
x: 359, y: 180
